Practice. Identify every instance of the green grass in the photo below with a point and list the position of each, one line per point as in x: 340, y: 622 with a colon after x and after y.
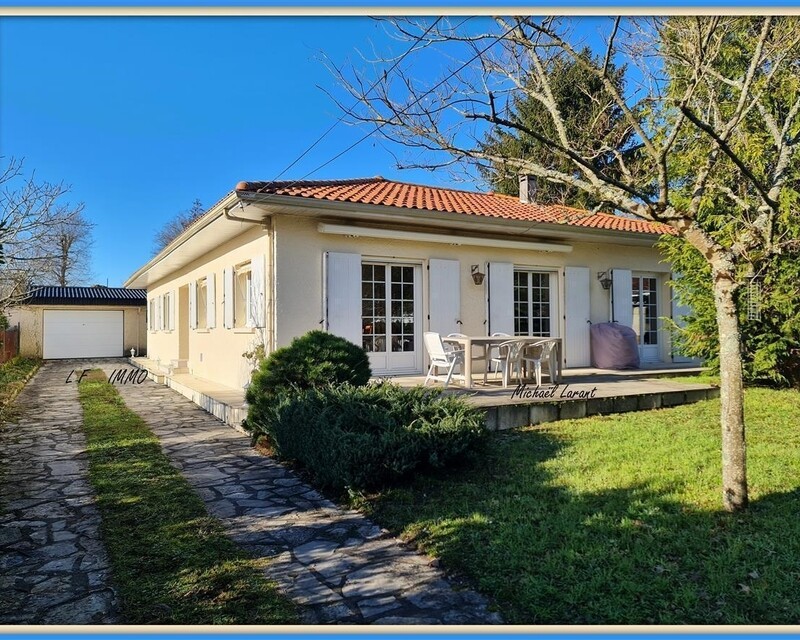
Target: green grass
x: 13, y: 376
x: 171, y: 562
x: 618, y: 519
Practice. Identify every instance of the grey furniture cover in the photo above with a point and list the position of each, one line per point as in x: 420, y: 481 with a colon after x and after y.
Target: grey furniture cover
x: 614, y: 346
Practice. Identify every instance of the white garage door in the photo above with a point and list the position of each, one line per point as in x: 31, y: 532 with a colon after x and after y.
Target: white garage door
x: 82, y: 334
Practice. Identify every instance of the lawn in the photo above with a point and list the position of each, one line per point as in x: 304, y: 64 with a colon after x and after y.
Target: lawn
x: 13, y: 376
x: 171, y: 562
x: 617, y: 519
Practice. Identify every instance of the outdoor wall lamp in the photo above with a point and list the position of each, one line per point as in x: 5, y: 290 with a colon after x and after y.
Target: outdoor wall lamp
x: 477, y: 276
x: 605, y: 281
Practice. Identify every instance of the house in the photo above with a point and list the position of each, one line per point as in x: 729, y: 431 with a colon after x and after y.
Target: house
x: 379, y: 262
x: 81, y: 322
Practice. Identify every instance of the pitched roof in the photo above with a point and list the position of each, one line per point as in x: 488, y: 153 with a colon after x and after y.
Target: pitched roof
x: 97, y: 295
x: 379, y: 191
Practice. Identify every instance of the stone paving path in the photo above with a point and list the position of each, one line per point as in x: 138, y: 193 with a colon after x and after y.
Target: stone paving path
x: 337, y: 564
x: 53, y: 566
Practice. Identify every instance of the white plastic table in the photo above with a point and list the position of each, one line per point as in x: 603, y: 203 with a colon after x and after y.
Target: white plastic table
x: 468, y: 342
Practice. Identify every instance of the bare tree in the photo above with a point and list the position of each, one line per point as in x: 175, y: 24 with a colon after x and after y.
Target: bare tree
x: 175, y: 226
x: 698, y: 91
x: 32, y: 216
x: 69, y: 245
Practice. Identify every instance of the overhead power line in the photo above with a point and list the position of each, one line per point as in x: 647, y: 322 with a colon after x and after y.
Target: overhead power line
x: 342, y: 117
x: 407, y: 107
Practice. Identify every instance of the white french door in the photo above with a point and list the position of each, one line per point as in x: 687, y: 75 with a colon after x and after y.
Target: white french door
x: 391, y: 316
x: 645, y: 316
x: 535, y: 303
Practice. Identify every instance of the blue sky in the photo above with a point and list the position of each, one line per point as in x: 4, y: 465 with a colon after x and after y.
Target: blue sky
x: 143, y: 115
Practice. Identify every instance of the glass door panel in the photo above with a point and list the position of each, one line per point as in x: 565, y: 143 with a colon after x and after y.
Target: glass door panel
x: 533, y: 312
x: 645, y: 316
x: 390, y: 316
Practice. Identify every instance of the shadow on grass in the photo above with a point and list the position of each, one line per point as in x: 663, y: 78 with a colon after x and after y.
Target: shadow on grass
x: 627, y: 555
x: 171, y: 562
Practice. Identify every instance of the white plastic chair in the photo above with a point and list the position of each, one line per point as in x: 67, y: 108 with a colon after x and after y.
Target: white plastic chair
x: 509, y: 360
x: 538, y: 353
x: 449, y: 346
x: 441, y: 358
x: 492, y: 356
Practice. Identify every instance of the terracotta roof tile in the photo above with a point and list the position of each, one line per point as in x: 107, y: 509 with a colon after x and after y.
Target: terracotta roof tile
x: 379, y: 191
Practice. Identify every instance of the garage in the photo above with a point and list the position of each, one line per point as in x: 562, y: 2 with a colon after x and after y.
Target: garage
x: 58, y: 323
x: 83, y: 334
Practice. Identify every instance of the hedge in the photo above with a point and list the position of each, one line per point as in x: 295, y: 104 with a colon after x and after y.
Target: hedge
x: 366, y: 437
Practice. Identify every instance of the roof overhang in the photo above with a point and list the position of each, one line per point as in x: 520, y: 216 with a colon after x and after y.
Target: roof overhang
x: 239, y: 210
x: 214, y: 228
x: 325, y: 210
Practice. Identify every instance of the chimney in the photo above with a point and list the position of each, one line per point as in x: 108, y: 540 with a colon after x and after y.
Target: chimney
x: 527, y: 188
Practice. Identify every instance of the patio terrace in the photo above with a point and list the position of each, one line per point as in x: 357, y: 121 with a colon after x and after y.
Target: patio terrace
x: 583, y: 392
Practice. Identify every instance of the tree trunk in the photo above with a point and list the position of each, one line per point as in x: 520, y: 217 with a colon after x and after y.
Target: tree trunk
x: 734, y: 449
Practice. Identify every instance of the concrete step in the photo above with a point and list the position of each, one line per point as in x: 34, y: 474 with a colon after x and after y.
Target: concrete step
x: 226, y: 404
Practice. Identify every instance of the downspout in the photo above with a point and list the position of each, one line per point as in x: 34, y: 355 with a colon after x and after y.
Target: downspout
x: 611, y: 300
x: 270, y: 343
x: 226, y: 211
x: 269, y: 339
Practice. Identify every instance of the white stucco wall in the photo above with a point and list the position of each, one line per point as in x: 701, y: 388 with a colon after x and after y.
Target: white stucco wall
x: 214, y: 354
x: 299, y: 263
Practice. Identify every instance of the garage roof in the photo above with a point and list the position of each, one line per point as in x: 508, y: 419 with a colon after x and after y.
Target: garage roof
x: 89, y: 296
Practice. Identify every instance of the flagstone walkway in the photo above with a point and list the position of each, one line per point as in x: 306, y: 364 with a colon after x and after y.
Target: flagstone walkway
x: 53, y: 565
x: 338, y: 565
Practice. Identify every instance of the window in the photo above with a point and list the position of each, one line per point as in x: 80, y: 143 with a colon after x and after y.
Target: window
x: 152, y: 325
x: 166, y: 316
x: 645, y: 309
x: 201, y: 308
x: 533, y: 303
x: 241, y: 295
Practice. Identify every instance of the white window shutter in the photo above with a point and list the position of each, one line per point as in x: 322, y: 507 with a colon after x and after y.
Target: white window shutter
x: 149, y: 315
x: 227, y: 297
x: 343, y: 295
x: 193, y: 304
x: 172, y: 297
x: 444, y: 277
x: 622, y: 297
x: 577, y: 296
x: 257, y: 314
x: 160, y: 313
x: 501, y: 297
x: 211, y: 301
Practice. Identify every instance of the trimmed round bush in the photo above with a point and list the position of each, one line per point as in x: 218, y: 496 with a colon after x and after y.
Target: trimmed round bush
x: 370, y: 436
x: 316, y: 359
